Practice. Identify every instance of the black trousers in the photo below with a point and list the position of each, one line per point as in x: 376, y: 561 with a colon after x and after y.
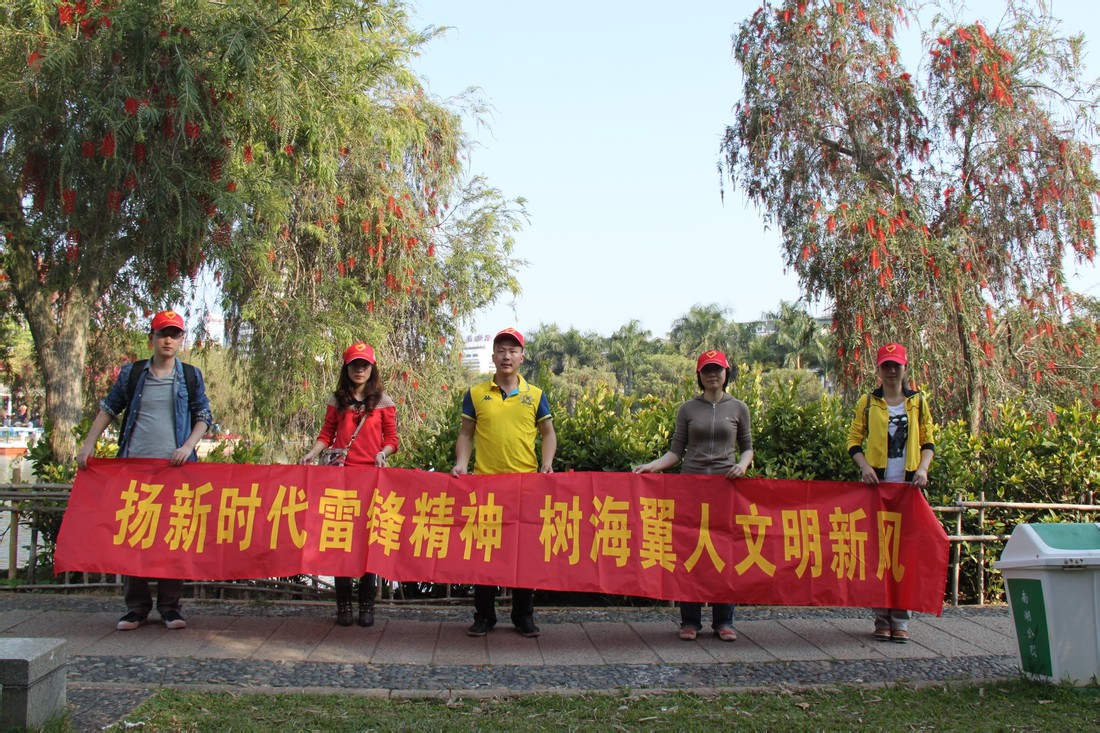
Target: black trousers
x: 368, y: 586
x: 523, y: 603
x: 139, y: 597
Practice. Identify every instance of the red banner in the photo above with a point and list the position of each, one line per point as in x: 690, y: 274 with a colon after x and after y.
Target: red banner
x: 675, y: 537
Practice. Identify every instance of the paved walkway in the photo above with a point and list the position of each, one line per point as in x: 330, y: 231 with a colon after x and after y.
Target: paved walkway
x: 425, y: 651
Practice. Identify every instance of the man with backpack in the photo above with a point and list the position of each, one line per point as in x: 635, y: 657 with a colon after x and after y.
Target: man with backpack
x: 166, y: 413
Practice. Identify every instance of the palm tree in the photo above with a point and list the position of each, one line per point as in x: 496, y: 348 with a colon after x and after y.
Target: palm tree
x: 550, y: 348
x: 704, y: 327
x: 796, y: 330
x: 628, y: 348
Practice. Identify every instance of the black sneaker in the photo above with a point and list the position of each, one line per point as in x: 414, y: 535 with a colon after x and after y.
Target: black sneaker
x: 480, y: 627
x: 130, y: 621
x: 173, y: 620
x: 526, y: 627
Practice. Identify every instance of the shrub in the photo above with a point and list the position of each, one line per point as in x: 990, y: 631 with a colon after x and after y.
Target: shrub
x: 795, y: 437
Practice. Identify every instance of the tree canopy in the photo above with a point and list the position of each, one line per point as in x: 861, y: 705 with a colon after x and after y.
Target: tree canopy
x: 286, y: 147
x: 931, y: 207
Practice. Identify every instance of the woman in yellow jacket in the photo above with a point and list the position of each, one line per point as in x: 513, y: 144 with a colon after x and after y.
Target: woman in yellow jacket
x: 890, y: 439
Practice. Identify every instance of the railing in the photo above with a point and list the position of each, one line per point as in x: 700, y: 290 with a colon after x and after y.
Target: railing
x: 18, y: 500
x: 961, y: 507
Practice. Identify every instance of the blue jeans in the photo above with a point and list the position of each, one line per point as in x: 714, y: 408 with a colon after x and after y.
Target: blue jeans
x: 895, y: 619
x: 691, y: 614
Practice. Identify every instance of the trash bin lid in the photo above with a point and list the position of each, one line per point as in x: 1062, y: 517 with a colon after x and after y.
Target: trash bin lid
x: 1045, y: 545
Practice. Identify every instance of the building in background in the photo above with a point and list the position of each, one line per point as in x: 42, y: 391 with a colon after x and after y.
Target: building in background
x: 477, y: 355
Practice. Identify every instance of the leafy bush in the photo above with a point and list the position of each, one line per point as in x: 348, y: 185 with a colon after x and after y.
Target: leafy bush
x: 608, y: 431
x: 807, y: 382
x: 432, y: 447
x: 243, y: 450
x: 795, y: 437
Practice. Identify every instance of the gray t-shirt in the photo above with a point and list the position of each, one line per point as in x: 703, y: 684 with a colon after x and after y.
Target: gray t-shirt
x: 154, y: 431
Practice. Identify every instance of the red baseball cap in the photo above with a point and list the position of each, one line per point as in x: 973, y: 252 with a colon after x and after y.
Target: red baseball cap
x: 167, y: 319
x: 892, y: 352
x: 359, y: 351
x: 509, y: 333
x: 712, y: 357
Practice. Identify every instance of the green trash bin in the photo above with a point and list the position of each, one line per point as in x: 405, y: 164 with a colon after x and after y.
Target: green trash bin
x: 1053, y: 590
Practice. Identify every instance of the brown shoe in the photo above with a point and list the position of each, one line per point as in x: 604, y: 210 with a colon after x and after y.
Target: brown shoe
x: 899, y: 636
x: 726, y: 633
x: 688, y: 633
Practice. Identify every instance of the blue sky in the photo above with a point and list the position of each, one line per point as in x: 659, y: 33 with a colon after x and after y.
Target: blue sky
x: 607, y: 117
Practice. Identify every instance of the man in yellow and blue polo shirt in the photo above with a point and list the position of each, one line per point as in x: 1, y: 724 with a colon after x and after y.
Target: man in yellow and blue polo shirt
x: 502, y: 417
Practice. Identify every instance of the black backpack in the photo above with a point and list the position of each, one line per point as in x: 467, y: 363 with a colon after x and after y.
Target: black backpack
x: 190, y: 379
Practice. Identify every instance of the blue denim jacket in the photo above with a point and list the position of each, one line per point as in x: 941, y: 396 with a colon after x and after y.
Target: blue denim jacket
x: 115, y: 402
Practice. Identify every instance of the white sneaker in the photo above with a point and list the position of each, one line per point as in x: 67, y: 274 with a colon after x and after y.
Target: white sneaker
x: 130, y: 621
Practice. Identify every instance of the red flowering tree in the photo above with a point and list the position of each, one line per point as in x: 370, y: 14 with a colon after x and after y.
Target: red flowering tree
x: 399, y: 250
x: 142, y: 141
x: 934, y: 211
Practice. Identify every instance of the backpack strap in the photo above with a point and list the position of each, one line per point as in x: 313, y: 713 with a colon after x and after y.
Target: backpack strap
x: 867, y: 417
x: 132, y: 382
x: 191, y: 381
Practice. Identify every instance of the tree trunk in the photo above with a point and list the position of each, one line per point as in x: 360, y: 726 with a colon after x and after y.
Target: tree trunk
x: 62, y: 345
x: 62, y: 364
x: 59, y: 323
x: 973, y: 406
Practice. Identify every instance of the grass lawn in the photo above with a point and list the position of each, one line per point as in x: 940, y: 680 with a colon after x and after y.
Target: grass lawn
x: 1014, y: 705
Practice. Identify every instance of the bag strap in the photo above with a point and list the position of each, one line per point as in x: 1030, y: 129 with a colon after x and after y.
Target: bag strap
x: 357, y: 429
x: 867, y: 417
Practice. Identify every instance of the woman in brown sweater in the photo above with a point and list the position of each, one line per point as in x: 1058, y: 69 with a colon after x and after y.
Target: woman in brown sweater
x: 713, y: 436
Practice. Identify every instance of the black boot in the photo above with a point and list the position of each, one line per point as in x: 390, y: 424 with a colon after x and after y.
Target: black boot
x: 343, y: 604
x: 366, y: 614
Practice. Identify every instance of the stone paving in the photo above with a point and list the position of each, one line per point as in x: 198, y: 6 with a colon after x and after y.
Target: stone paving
x: 425, y: 651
